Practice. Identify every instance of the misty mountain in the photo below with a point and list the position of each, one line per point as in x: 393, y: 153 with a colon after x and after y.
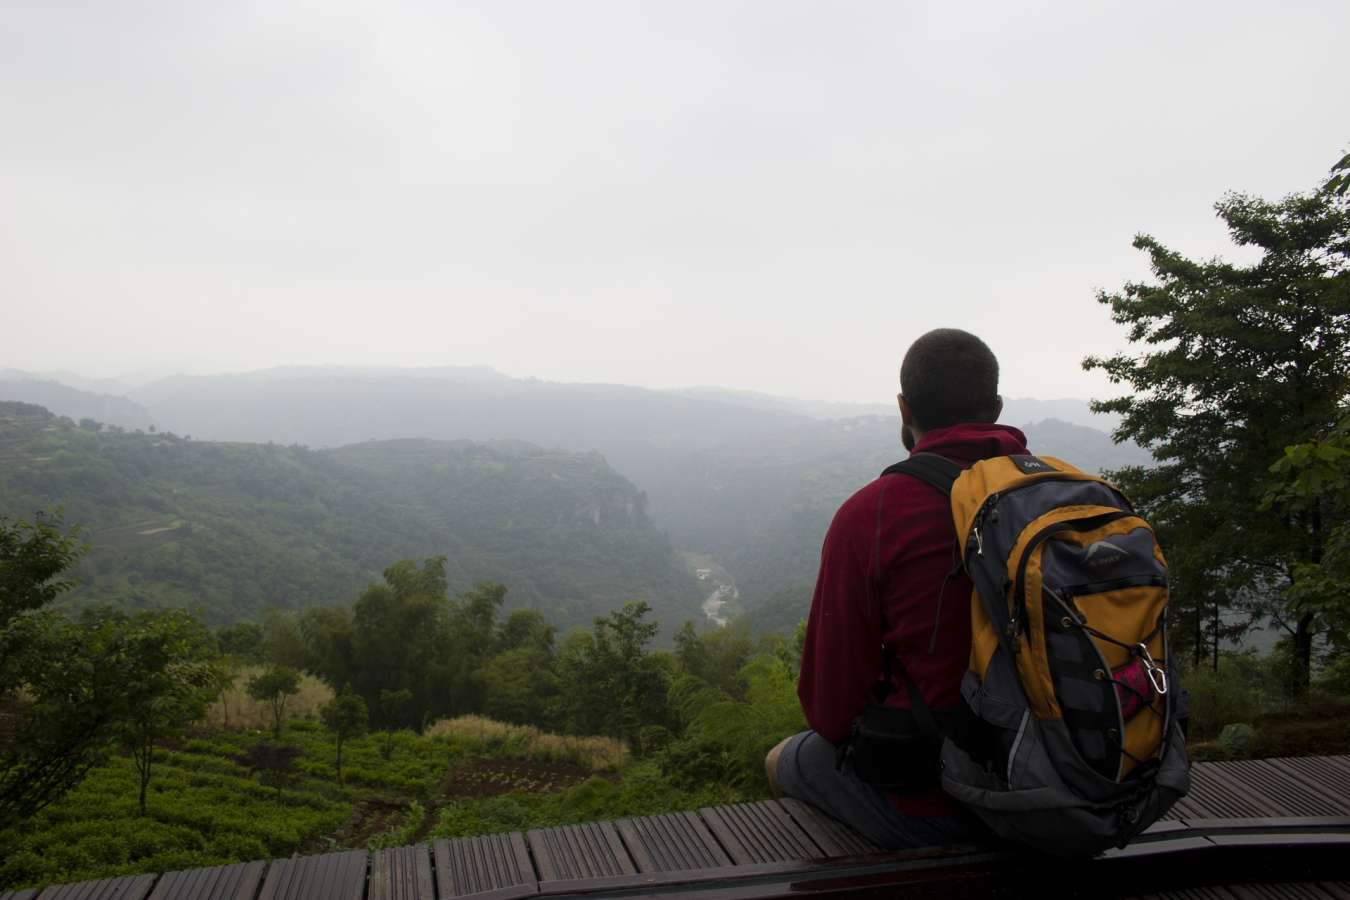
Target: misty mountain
x: 65, y: 400
x: 749, y: 479
x: 761, y: 509
x: 234, y: 528
x: 1015, y: 409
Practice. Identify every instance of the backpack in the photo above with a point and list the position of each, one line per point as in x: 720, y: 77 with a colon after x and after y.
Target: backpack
x: 1071, y: 734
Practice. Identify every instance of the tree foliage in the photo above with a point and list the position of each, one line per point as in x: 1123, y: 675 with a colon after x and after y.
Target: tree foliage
x: 345, y: 717
x: 1232, y: 364
x: 172, y: 672
x: 274, y: 686
x: 59, y: 680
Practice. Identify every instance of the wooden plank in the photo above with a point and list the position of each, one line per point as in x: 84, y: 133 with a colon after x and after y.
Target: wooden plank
x: 591, y: 850
x: 1328, y: 774
x: 1213, y: 796
x: 332, y: 876
x: 493, y: 865
x: 131, y: 887
x: 832, y: 836
x: 237, y: 882
x: 759, y: 832
x: 670, y: 843
x: 25, y: 894
x: 401, y: 873
x: 1287, y: 795
x: 1307, y: 890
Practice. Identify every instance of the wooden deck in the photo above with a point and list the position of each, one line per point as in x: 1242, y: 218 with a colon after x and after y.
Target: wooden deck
x: 1252, y: 829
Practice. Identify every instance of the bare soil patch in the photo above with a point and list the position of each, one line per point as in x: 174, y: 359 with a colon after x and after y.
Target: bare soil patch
x: 490, y: 777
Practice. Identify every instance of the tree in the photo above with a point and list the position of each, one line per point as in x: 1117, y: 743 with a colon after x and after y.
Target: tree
x: 273, y: 686
x: 60, y: 681
x: 1234, y: 364
x: 399, y: 638
x: 346, y: 716
x: 1314, y: 477
x: 609, y: 683
x: 1339, y: 182
x: 393, y: 709
x: 242, y: 640
x: 273, y: 763
x: 174, y: 672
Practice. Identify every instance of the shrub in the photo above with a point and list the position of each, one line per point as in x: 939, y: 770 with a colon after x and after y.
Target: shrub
x: 477, y: 734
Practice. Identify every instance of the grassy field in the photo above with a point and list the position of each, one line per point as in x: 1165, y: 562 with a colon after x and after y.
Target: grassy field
x: 463, y: 776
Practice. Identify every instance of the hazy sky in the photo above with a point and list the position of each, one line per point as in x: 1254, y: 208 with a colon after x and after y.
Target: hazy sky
x: 775, y: 196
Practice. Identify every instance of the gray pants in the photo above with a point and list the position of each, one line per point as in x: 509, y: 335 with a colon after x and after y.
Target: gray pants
x: 806, y: 771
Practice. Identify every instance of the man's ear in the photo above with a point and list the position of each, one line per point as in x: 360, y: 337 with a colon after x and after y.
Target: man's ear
x: 906, y: 416
x: 998, y: 408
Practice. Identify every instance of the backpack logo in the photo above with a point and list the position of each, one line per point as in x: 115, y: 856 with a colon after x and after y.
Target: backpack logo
x: 1030, y: 465
x: 1113, y: 552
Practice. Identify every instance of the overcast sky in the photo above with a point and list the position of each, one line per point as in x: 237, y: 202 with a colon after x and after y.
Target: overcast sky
x: 774, y: 196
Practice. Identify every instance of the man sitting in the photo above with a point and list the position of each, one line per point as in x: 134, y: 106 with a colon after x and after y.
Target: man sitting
x: 892, y: 604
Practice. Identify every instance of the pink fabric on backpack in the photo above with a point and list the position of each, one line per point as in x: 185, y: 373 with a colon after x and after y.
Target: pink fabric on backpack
x: 1133, y: 688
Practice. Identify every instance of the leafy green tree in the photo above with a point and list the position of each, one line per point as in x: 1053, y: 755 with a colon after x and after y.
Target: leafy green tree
x: 346, y: 717
x: 1313, y: 478
x: 399, y: 637
x: 243, y: 641
x: 274, y: 686
x: 274, y: 764
x: 1234, y: 363
x: 393, y: 710
x: 717, y: 655
x: 1339, y: 182
x: 609, y: 684
x: 175, y: 670
x: 62, y: 683
x: 282, y: 643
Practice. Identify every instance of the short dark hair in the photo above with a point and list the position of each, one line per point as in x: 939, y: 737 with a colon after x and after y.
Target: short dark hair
x: 950, y: 376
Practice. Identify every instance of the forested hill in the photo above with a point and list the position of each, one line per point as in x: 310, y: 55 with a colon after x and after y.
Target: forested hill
x: 233, y: 528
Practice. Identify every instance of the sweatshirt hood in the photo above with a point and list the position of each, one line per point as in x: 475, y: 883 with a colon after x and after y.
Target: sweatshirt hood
x: 973, y: 441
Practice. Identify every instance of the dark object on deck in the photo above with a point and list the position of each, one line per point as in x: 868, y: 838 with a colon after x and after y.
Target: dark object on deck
x: 1252, y: 829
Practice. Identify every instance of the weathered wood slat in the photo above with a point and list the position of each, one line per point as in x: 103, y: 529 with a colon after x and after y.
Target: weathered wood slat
x: 833, y: 837
x: 332, y: 876
x: 671, y: 843
x: 401, y: 873
x: 1309, y: 890
x: 132, y: 887
x: 1328, y: 774
x: 592, y: 850
x: 237, y: 882
x: 759, y: 832
x: 496, y: 865
x: 1287, y: 796
x: 1214, y: 796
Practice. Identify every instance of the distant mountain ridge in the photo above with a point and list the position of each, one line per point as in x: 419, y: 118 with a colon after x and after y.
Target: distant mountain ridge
x: 76, y: 403
x: 233, y: 528
x: 747, y: 478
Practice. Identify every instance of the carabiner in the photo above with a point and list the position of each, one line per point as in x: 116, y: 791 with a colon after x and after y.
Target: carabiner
x: 1157, y: 675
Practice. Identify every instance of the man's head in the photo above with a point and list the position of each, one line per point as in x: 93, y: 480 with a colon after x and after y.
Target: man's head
x: 948, y: 377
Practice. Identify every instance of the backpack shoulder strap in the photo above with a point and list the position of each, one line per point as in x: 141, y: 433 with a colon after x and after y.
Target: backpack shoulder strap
x: 930, y: 468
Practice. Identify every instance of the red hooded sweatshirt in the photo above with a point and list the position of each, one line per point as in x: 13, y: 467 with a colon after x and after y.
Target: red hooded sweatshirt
x: 882, y: 567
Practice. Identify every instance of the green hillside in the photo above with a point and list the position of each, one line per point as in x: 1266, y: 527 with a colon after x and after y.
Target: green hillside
x: 231, y: 529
